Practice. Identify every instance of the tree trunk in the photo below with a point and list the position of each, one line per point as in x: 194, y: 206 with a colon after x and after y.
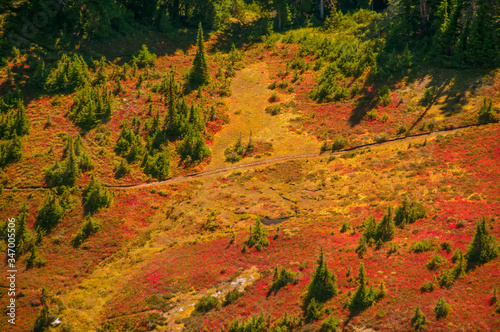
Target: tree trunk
x: 322, y: 9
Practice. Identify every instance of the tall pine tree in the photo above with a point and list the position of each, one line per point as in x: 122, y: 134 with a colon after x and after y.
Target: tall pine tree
x: 199, y: 72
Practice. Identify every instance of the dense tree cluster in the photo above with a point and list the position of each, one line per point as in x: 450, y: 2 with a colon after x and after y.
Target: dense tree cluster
x: 76, y: 161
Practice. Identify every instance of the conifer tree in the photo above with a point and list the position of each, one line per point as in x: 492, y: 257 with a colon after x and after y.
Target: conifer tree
x: 199, y: 72
x: 418, y: 320
x: 385, y: 228
x: 323, y: 285
x: 364, y: 295
x: 49, y: 213
x: 95, y: 196
x: 483, y: 248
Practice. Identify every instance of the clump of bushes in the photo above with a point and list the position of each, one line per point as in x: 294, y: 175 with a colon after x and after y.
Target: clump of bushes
x: 427, y: 287
x: 76, y: 162
x: 157, y: 165
x: 408, y: 213
x: 435, y: 261
x: 70, y: 74
x: 374, y: 232
x: 91, y: 106
x: 193, y: 147
x: 372, y: 115
x: 442, y: 308
x: 207, y: 303
x: 90, y: 227
x: 238, y: 151
x: 418, y: 319
x: 338, y: 143
x: 283, y: 277
x: 365, y: 296
x: 486, y: 113
x: 273, y: 109
x: 257, y: 238
x: 331, y: 324
x: 263, y: 324
x: 422, y: 246
x: 49, y: 213
x: 95, y: 196
x: 231, y: 297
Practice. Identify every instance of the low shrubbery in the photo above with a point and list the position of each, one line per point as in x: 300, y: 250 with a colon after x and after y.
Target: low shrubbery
x: 283, y: 277
x: 207, y: 303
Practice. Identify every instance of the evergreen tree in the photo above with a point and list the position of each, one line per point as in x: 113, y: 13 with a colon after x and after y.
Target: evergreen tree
x: 193, y: 147
x: 258, y: 236
x: 418, y: 320
x: 199, y: 72
x: 385, y: 228
x: 95, y: 196
x: 483, y: 248
x: 364, y: 295
x: 49, y: 213
x: 158, y: 165
x: 323, y: 285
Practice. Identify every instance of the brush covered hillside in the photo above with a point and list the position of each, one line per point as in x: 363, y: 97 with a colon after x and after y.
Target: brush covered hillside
x: 250, y: 166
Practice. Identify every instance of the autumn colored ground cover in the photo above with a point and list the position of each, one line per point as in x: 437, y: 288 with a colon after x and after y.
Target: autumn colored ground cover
x: 170, y: 252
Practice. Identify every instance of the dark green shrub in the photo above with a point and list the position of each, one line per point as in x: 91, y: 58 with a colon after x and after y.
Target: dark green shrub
x: 441, y: 309
x: 418, y: 320
x: 446, y: 246
x: 254, y: 323
x: 95, y: 196
x: 435, y: 261
x: 193, y: 148
x: 273, y: 109
x: 283, y: 277
x: 122, y: 169
x: 422, y: 246
x: 331, y: 324
x: 129, y: 144
x: 487, y: 114
x: 314, y: 310
x: 90, y: 227
x: 231, y: 297
x: 427, y: 287
x: 258, y: 236
x: 408, y: 213
x: 372, y: 115
x: 338, y: 143
x: 207, y: 303
x: 49, y: 213
x: 158, y: 165
x: 346, y: 226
